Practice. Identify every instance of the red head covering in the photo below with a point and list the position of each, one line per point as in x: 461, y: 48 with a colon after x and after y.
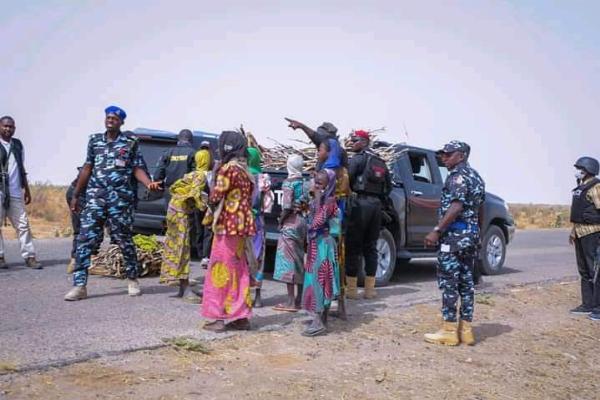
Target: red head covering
x: 362, y: 134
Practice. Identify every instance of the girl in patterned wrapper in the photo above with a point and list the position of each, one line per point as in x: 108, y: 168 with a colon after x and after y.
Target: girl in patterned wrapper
x: 226, y: 298
x: 187, y: 195
x: 289, y: 259
x: 321, y: 270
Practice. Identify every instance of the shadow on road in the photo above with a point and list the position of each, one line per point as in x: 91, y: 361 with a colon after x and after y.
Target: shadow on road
x: 508, y: 270
x: 489, y: 330
x: 20, y: 265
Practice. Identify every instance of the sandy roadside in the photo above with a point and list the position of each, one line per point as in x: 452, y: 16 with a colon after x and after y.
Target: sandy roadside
x: 529, y: 348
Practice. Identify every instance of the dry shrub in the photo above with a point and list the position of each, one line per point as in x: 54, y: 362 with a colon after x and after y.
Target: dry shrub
x: 48, y: 212
x: 535, y: 216
x: 48, y: 203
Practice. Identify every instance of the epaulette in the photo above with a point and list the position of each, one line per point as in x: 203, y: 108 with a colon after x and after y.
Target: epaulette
x: 130, y: 136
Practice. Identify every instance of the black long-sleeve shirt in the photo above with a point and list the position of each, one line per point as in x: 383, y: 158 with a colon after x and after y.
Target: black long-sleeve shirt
x: 175, y: 163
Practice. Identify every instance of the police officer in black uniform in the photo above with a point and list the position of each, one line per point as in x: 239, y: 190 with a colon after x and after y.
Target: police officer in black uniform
x: 585, y: 236
x: 176, y: 162
x: 370, y: 183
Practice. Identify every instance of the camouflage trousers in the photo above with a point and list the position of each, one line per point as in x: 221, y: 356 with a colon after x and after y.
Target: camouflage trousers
x: 455, y: 279
x: 119, y: 218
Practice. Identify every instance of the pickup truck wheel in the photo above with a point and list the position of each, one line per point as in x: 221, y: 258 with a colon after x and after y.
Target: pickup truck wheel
x: 386, y: 259
x: 493, y: 251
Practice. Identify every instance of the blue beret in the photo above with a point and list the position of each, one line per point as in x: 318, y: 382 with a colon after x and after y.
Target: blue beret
x: 118, y: 111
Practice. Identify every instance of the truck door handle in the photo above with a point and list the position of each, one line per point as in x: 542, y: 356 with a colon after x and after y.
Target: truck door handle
x: 416, y: 193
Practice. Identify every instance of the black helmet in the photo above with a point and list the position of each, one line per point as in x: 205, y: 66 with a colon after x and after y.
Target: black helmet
x: 589, y: 165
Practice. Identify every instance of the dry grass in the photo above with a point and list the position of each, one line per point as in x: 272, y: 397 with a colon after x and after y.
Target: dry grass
x: 48, y: 213
x: 533, y: 216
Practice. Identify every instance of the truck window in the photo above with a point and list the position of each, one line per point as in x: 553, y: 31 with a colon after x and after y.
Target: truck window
x: 420, y: 168
x: 443, y: 171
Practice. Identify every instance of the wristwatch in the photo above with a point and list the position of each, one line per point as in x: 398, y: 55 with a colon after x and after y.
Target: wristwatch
x: 437, y: 229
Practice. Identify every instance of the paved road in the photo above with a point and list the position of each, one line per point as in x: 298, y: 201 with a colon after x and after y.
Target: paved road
x: 39, y: 329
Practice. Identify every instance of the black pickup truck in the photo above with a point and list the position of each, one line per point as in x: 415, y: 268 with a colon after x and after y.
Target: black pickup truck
x: 410, y: 213
x: 151, y: 208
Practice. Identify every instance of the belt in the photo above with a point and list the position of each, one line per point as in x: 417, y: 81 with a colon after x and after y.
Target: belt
x: 463, y: 226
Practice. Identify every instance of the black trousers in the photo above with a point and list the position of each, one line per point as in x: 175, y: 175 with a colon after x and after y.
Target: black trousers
x: 203, y: 236
x: 362, y: 233
x: 75, y: 220
x: 586, y: 249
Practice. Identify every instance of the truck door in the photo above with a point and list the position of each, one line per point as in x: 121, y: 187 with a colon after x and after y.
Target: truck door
x: 423, y: 195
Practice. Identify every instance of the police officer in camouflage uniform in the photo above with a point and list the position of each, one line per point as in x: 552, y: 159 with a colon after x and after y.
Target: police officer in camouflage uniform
x: 113, y: 164
x: 458, y: 236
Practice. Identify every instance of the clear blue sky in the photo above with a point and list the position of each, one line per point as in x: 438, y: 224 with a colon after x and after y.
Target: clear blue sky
x: 518, y: 81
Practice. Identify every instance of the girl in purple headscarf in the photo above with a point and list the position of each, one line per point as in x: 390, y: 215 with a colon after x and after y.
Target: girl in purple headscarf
x: 321, y: 270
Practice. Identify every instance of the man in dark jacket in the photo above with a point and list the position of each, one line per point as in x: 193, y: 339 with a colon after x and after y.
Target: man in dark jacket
x: 585, y: 236
x: 75, y: 222
x: 14, y: 192
x: 176, y: 162
x: 370, y: 182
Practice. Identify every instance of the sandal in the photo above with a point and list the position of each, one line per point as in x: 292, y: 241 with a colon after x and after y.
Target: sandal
x: 312, y: 332
x: 215, y: 326
x: 284, y: 307
x: 239, y: 325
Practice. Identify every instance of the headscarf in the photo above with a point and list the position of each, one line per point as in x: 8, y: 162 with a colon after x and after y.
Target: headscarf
x: 202, y: 159
x: 232, y: 145
x: 334, y: 159
x: 294, y: 166
x: 254, y: 161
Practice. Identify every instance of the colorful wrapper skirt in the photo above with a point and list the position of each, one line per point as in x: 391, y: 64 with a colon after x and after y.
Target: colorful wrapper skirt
x: 321, y: 274
x: 289, y: 259
x: 226, y: 294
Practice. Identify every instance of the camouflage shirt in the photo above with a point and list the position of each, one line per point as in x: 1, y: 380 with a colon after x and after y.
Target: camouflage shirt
x: 112, y: 167
x: 465, y: 185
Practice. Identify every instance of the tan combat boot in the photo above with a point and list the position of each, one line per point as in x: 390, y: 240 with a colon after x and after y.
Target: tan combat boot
x: 77, y: 293
x: 448, y: 335
x: 352, y: 287
x: 370, y: 292
x: 465, y: 332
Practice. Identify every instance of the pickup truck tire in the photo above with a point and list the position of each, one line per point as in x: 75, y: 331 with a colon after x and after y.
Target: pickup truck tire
x: 493, y: 251
x: 386, y: 259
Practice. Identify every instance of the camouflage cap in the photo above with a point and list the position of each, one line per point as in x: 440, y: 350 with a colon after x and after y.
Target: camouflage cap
x: 455, y: 145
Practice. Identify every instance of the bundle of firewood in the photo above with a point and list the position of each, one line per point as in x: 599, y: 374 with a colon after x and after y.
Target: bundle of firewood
x: 109, y: 261
x: 276, y: 157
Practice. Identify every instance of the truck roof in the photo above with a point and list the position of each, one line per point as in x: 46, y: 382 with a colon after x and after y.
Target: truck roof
x: 167, y: 135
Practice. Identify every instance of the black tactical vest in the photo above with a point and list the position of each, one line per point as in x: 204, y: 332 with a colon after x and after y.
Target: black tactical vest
x: 372, y: 179
x: 583, y: 211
